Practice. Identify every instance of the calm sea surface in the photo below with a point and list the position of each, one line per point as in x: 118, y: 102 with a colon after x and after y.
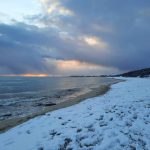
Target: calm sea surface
x: 20, y: 96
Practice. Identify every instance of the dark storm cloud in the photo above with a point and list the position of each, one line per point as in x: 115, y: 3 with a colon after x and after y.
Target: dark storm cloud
x: 129, y: 22
x: 123, y: 26
x: 20, y: 51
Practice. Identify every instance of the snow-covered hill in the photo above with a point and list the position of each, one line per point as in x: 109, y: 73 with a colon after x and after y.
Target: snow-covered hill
x: 118, y: 120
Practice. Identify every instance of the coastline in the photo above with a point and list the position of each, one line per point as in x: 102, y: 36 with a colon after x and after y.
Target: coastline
x: 102, y: 89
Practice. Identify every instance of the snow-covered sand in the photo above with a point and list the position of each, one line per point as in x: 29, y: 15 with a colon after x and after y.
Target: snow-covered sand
x: 118, y: 120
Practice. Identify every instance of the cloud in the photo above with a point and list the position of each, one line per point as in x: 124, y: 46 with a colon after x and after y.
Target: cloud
x: 95, y: 41
x: 75, y: 67
x: 18, y: 51
x: 111, y: 35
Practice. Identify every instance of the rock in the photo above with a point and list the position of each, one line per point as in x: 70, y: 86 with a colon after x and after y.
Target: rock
x: 7, y: 115
x: 47, y: 104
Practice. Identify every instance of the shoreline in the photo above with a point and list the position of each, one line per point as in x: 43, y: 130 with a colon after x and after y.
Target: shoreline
x: 101, y: 90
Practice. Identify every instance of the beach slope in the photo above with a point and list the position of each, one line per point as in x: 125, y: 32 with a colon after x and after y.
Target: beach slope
x: 120, y: 119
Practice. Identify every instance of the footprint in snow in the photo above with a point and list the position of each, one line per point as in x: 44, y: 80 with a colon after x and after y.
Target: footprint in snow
x: 103, y: 124
x: 64, y: 123
x: 28, y: 132
x: 54, y: 133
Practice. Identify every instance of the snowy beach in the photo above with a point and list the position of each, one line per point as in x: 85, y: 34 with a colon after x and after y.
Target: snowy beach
x: 118, y: 120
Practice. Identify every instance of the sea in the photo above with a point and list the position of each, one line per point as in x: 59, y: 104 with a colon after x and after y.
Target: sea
x: 22, y: 96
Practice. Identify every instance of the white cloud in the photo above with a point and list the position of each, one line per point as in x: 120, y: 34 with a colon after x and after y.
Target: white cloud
x: 94, y: 41
x: 55, y: 8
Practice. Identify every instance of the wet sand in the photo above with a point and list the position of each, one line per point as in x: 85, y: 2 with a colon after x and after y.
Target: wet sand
x: 7, y: 124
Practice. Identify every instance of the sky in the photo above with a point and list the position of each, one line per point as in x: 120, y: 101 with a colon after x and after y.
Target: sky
x: 74, y: 37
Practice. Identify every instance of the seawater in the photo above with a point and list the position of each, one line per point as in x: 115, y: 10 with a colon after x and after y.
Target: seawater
x: 21, y: 96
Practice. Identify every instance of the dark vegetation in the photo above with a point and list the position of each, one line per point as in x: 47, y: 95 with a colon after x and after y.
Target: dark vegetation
x: 137, y: 73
